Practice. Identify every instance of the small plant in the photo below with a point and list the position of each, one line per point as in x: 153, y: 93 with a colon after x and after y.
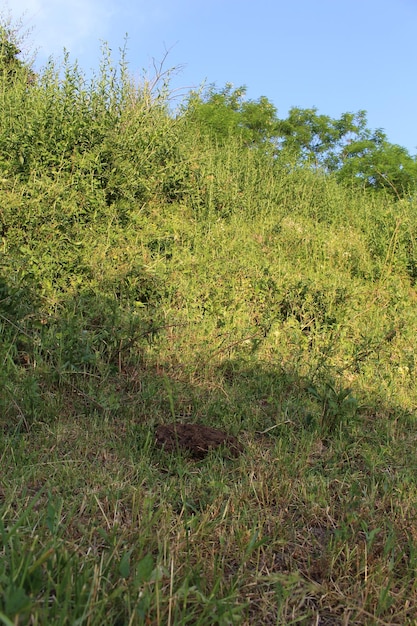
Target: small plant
x: 337, y: 406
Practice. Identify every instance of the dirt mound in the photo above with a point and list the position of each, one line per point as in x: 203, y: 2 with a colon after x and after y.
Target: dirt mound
x: 195, y: 438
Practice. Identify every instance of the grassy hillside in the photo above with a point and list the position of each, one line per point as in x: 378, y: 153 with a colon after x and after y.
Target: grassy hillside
x: 149, y: 275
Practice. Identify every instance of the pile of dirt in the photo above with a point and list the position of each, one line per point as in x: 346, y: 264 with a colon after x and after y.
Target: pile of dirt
x: 196, y: 439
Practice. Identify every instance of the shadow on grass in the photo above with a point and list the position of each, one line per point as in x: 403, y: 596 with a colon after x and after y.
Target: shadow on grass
x: 97, y: 354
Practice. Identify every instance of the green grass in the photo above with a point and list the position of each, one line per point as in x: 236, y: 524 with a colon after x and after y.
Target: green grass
x: 148, y: 275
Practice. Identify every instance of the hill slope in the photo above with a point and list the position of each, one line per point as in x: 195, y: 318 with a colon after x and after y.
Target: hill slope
x: 149, y: 275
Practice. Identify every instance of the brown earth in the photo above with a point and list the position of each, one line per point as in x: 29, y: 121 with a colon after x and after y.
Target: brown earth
x: 195, y: 438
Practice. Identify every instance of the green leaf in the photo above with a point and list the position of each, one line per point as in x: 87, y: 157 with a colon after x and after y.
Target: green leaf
x: 144, y: 569
x: 124, y: 567
x: 16, y: 601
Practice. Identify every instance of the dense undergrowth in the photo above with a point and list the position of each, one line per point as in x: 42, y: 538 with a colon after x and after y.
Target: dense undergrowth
x: 150, y: 274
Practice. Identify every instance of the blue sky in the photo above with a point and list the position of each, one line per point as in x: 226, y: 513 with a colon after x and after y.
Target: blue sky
x: 336, y: 55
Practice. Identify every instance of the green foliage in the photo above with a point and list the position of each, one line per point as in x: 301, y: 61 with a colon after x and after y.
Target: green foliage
x: 15, y: 66
x: 10, y: 64
x: 378, y: 164
x: 9, y: 53
x: 337, y: 407
x: 345, y: 145
x: 225, y: 114
x: 318, y: 139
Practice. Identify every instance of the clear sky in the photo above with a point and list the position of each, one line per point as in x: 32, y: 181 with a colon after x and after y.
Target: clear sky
x: 336, y: 55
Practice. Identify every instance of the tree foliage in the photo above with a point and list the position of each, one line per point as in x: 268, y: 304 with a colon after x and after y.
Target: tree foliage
x: 343, y: 146
x: 318, y: 139
x: 376, y: 163
x: 12, y: 63
x: 225, y: 113
x: 9, y: 53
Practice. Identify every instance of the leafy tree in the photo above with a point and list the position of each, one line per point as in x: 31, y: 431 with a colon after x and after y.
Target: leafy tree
x: 347, y: 147
x: 374, y: 162
x: 317, y: 139
x: 10, y: 50
x: 224, y: 113
x: 259, y: 119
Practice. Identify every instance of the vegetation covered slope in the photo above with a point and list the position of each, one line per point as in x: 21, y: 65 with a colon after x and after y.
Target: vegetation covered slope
x: 154, y: 268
